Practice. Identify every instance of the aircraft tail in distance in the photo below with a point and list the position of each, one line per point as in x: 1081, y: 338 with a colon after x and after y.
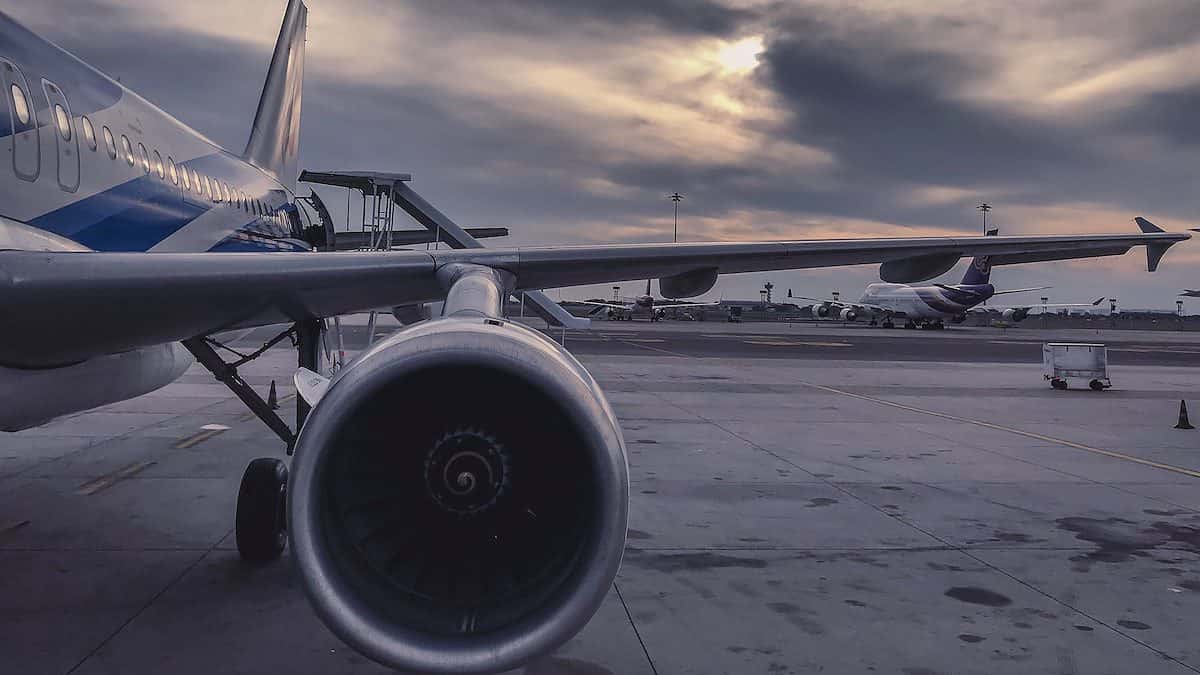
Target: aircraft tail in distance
x: 979, y: 272
x: 275, y: 137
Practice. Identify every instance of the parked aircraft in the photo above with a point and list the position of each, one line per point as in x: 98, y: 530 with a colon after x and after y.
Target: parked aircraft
x: 930, y: 306
x: 458, y: 494
x: 623, y: 311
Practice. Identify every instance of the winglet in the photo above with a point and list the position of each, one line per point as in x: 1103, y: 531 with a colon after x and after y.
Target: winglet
x: 1154, y: 252
x: 1147, y: 226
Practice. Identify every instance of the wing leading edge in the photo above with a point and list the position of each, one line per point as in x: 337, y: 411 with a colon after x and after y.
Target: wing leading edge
x: 129, y: 300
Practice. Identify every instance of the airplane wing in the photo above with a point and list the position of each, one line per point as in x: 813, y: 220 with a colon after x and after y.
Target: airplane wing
x: 676, y: 305
x: 1056, y: 305
x: 75, y: 305
x: 612, y: 305
x: 1021, y: 290
x: 1190, y: 294
x: 849, y: 305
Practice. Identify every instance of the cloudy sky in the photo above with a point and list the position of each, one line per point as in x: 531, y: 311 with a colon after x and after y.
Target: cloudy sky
x: 569, y: 121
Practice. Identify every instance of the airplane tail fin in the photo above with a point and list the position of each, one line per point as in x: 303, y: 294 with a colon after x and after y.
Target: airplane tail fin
x: 980, y: 270
x: 275, y: 137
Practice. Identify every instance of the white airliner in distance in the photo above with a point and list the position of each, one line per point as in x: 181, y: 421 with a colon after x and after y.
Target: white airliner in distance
x: 931, y: 306
x: 623, y: 311
x: 458, y: 495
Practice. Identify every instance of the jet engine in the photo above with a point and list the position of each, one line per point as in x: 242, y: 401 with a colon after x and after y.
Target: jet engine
x: 820, y: 311
x: 1015, y: 315
x: 848, y: 314
x: 459, y: 497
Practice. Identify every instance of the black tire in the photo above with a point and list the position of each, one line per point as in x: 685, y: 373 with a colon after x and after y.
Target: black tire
x: 261, y: 523
x: 1096, y: 385
x: 1058, y: 384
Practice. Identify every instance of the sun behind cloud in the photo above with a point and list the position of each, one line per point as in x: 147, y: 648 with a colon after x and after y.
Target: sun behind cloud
x: 740, y: 57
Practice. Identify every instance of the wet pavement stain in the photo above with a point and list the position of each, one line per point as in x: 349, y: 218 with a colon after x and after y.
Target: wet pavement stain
x: 855, y: 603
x: 1133, y: 625
x: 561, y: 666
x: 1118, y: 540
x: 821, y: 501
x: 796, y: 616
x: 1014, y: 537
x: 637, y: 534
x: 646, y: 441
x: 972, y: 639
x: 978, y: 596
x: 1160, y: 512
x: 894, y: 488
x: 689, y: 562
x: 1086, y: 629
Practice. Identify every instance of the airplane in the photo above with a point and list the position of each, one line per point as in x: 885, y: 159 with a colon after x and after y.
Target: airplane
x: 458, y: 494
x: 929, y: 307
x: 1190, y: 294
x: 623, y: 311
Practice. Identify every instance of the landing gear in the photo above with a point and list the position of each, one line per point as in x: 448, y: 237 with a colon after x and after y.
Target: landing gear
x: 261, y: 523
x: 909, y: 325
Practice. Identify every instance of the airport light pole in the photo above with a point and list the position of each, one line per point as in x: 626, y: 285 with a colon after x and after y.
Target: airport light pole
x: 1112, y: 312
x: 1044, y: 301
x: 676, y: 197
x: 984, y: 208
x: 768, y: 287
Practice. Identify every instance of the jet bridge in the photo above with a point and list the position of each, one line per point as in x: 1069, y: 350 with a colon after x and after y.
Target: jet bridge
x: 382, y: 192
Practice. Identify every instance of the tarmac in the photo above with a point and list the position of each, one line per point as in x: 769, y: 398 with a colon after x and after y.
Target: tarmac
x: 917, y: 502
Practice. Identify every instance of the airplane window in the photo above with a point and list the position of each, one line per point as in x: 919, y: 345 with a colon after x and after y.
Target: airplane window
x: 171, y: 171
x: 196, y: 181
x: 20, y: 104
x: 158, y: 165
x: 216, y: 188
x: 208, y: 187
x: 128, y: 149
x: 63, y: 121
x: 225, y: 191
x: 89, y: 132
x: 184, y: 178
x: 145, y: 158
x: 110, y: 143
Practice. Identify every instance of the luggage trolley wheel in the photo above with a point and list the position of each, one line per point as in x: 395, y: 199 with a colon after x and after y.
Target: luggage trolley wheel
x: 1058, y: 383
x: 261, y: 522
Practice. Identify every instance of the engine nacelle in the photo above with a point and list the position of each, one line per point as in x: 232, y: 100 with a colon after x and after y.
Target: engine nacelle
x: 1015, y: 315
x: 459, y: 498
x: 848, y: 314
x: 820, y: 311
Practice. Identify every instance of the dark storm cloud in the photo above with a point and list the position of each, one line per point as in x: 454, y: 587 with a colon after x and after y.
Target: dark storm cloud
x: 888, y: 112
x: 678, y: 16
x: 1174, y: 116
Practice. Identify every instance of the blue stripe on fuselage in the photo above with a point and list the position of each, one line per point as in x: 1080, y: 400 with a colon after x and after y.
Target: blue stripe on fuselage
x: 140, y: 213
